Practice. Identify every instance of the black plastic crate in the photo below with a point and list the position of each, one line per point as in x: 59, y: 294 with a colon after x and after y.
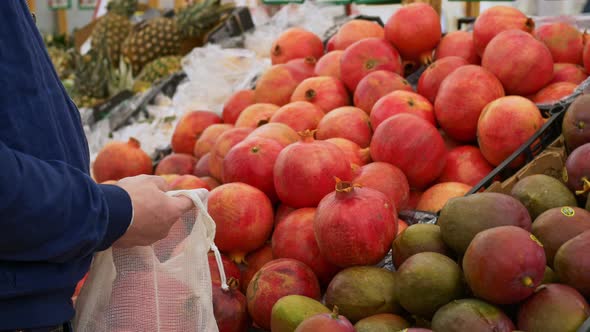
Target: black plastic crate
x: 334, y: 29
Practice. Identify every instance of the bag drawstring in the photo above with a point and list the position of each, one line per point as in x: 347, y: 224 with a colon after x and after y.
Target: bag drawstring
x: 217, y: 254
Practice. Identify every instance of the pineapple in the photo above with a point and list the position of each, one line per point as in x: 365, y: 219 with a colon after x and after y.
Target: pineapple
x: 157, y: 70
x: 162, y: 36
x: 124, y: 8
x: 92, y: 74
x: 110, y: 32
x: 62, y: 61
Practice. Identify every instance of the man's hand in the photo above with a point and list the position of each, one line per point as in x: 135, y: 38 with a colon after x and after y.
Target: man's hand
x: 154, y: 211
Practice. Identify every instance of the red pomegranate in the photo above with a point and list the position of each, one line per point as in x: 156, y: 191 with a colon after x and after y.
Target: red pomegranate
x: 461, y: 98
x: 495, y: 20
x: 176, y: 163
x: 202, y: 166
x: 386, y: 178
x: 465, y: 164
x: 326, y: 323
x: 224, y: 143
x: 586, y: 57
x: 236, y: 104
x: 276, y: 85
x: 208, y: 138
x: 346, y: 122
x: 401, y: 226
x: 252, y: 162
x: 376, y: 85
x: 329, y: 64
x: 254, y: 262
x: 211, y: 182
x: 256, y: 115
x: 119, y: 160
x: 230, y: 268
x: 554, y: 92
x: 435, y: 198
x: 244, y: 218
x: 414, y: 41
x: 354, y: 154
x: 302, y: 67
x: 399, y: 102
x: 355, y: 30
x: 366, y: 56
x: 432, y: 77
x: 296, y: 43
x: 523, y: 64
x: 304, y: 172
x: 458, y: 43
x: 330, y: 46
x: 325, y: 92
x: 189, y: 129
x: 412, y: 144
x: 355, y: 225
x: 282, y: 212
x: 567, y: 72
x: 504, y: 125
x: 279, y: 132
x: 187, y: 182
x: 563, y: 40
x: 294, y: 238
x: 300, y: 115
x: 415, y: 196
x: 230, y: 307
x: 275, y: 280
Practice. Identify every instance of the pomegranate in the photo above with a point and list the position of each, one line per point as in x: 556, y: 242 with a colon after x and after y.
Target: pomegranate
x: 354, y: 154
x: 415, y: 196
x: 202, y: 166
x: 355, y: 30
x: 435, y: 198
x: 276, y: 85
x: 326, y: 323
x: 279, y: 132
x: 386, y: 178
x: 504, y: 125
x: 465, y: 164
x: 254, y: 262
x: 230, y: 308
x: 294, y: 238
x: 230, y: 268
x: 567, y: 72
x: 282, y: 212
x: 495, y: 20
x: 376, y: 85
x: 414, y: 41
x: 330, y: 44
x: 244, y: 218
x: 565, y: 42
x: 275, y: 280
x: 117, y: 160
x: 346, y: 122
x: 523, y: 64
x: 508, y: 273
x: 554, y: 92
x: 325, y: 92
x: 236, y: 104
x: 586, y: 57
x: 304, y: 172
x: 252, y: 162
x: 189, y: 129
x: 303, y: 67
x: 458, y: 43
x: 412, y: 144
x: 399, y: 102
x: 329, y: 64
x: 212, y: 183
x: 449, y: 142
x: 355, y: 225
x: 222, y: 146
x: 208, y: 138
x: 256, y: 115
x: 432, y: 77
x: 401, y: 226
x: 176, y: 163
x: 299, y: 115
x: 366, y: 56
x: 461, y: 98
x: 187, y: 182
x: 296, y: 43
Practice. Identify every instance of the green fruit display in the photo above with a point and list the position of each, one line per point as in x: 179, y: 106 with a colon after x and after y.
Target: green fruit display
x: 381, y: 323
x: 291, y: 310
x: 416, y: 239
x: 471, y: 315
x: 540, y: 193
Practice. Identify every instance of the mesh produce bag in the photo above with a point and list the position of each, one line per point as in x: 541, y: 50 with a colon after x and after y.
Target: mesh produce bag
x: 163, y: 287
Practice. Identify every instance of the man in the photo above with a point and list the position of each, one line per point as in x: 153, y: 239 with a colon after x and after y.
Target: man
x: 53, y: 216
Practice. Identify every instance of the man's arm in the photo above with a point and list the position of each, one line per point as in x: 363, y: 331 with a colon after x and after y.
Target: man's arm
x: 50, y: 211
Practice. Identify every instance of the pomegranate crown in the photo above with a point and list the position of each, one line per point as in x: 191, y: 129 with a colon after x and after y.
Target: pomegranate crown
x: 345, y: 186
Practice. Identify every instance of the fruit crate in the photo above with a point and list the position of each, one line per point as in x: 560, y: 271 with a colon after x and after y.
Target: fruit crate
x: 342, y: 20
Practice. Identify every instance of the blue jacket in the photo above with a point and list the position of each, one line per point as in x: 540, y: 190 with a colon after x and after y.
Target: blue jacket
x: 53, y: 216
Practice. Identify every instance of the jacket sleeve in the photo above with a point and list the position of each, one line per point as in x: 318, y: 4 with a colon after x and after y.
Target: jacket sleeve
x: 53, y: 212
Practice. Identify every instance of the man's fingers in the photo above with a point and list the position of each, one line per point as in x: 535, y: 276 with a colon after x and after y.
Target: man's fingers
x: 160, y: 183
x: 183, y: 203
